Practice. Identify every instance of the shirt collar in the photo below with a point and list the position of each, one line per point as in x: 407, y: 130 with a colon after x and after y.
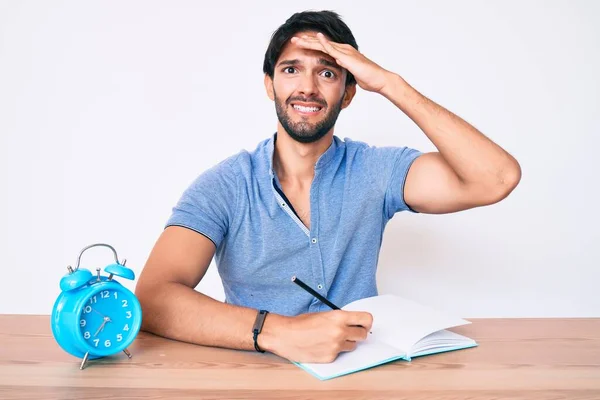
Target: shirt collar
x: 271, y: 177
x: 323, y: 160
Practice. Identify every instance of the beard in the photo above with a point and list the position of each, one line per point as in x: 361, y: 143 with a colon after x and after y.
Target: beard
x: 304, y: 131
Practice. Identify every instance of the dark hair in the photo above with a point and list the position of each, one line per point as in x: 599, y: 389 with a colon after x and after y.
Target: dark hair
x: 327, y: 22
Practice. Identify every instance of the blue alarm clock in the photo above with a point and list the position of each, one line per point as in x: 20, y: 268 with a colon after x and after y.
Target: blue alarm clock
x: 95, y: 316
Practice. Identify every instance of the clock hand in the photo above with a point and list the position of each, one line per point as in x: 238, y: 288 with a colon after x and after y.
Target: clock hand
x: 101, y: 328
x: 97, y: 312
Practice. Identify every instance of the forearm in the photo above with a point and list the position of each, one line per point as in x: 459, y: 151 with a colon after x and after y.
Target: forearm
x: 178, y: 312
x: 472, y: 156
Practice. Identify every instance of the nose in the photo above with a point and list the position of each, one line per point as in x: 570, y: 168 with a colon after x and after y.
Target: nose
x: 308, y: 85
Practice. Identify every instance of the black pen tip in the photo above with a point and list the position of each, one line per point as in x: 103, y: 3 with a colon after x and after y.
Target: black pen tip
x: 293, y: 278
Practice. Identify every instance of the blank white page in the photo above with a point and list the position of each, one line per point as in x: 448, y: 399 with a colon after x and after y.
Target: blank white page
x: 401, y: 322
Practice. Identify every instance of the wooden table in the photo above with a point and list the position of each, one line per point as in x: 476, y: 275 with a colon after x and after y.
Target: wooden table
x: 515, y: 359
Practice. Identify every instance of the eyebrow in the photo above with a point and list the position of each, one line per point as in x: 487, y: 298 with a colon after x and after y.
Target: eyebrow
x: 321, y: 61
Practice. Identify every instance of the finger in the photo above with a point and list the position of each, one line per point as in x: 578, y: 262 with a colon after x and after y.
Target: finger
x: 348, y: 346
x: 332, y: 48
x: 336, y: 50
x: 356, y: 333
x: 316, y: 44
x: 361, y: 318
x: 306, y: 44
x: 328, y: 45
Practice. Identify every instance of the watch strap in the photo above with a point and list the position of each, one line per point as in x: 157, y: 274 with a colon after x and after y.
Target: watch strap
x: 257, y: 328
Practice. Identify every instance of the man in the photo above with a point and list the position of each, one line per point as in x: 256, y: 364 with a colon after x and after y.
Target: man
x: 305, y: 203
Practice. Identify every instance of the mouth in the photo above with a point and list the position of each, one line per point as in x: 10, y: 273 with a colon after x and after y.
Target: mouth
x: 307, y: 109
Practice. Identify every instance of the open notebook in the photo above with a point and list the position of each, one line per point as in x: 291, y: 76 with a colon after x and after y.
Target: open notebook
x: 402, y: 329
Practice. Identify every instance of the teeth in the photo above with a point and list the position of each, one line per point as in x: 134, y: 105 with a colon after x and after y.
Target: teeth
x: 306, y: 109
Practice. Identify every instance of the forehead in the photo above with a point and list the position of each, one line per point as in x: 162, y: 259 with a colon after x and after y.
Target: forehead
x: 293, y: 51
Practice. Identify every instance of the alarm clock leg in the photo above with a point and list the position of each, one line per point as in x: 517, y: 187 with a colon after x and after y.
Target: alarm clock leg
x: 85, y: 358
x: 127, y: 352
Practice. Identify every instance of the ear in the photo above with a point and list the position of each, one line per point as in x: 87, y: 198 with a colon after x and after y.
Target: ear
x: 349, y: 93
x: 269, y: 87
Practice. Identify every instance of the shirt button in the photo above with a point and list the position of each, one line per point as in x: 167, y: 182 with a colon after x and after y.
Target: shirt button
x: 320, y: 286
x: 314, y: 240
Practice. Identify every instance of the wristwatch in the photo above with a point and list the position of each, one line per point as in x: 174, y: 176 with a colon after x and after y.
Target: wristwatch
x: 258, y: 324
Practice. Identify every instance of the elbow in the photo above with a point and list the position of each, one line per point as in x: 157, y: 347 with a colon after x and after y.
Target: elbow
x: 498, y: 187
x: 504, y: 184
x: 146, y: 310
x: 514, y: 176
x: 140, y: 293
x: 510, y: 178
x: 147, y: 300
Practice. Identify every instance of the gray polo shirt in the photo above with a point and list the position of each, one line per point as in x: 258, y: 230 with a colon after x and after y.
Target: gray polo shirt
x: 261, y: 243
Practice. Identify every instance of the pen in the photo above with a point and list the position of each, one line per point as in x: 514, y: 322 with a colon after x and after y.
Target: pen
x: 314, y: 293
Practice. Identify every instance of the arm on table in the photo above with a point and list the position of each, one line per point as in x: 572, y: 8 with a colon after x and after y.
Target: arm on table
x: 173, y: 309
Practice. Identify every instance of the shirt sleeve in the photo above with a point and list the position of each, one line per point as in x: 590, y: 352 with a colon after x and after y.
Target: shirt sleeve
x: 208, y: 205
x: 391, y: 168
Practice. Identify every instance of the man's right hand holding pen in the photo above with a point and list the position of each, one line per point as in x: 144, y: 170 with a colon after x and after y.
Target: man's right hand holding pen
x: 314, y: 337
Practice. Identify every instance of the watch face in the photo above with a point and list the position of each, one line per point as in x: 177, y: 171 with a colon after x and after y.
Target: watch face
x: 109, y: 320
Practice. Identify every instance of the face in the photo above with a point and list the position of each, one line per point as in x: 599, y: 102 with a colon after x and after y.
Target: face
x: 309, y: 91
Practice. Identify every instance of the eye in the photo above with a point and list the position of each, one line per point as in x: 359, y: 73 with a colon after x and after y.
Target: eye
x: 329, y: 74
x: 286, y: 69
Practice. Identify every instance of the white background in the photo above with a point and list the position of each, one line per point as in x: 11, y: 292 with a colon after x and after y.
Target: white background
x: 108, y: 110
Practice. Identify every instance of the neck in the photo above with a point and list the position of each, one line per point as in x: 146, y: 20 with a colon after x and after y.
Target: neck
x: 294, y: 162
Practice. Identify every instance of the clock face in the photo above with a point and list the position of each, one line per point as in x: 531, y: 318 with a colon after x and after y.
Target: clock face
x: 107, y: 321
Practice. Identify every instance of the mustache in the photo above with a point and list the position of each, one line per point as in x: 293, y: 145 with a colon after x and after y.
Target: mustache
x: 307, y: 100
